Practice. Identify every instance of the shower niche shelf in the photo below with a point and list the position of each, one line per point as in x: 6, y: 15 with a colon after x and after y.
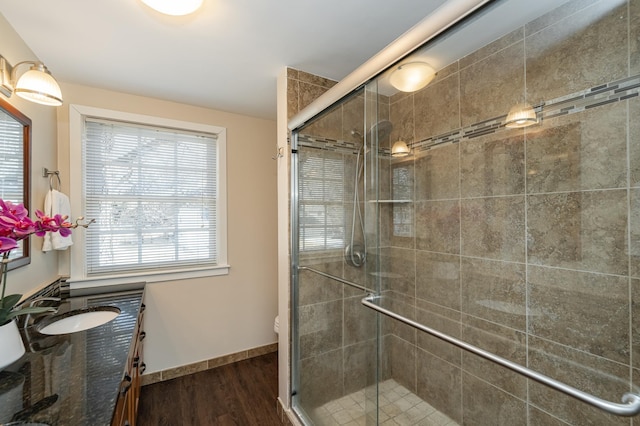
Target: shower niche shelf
x: 390, y: 201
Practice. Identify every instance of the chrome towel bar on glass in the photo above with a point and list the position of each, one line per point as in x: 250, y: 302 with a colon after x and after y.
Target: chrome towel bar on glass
x: 630, y: 402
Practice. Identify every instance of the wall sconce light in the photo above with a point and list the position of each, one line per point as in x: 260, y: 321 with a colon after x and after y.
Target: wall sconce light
x: 400, y: 149
x: 412, y: 76
x: 521, y: 115
x: 174, y: 7
x: 36, y: 85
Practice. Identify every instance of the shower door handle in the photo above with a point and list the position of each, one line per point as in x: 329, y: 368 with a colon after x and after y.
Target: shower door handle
x: 631, y: 401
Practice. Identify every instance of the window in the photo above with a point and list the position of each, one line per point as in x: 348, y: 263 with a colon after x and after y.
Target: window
x: 156, y: 191
x: 15, y: 144
x: 402, y: 187
x: 322, y: 216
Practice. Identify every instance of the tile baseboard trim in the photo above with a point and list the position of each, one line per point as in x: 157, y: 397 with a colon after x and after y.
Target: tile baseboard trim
x: 183, y: 370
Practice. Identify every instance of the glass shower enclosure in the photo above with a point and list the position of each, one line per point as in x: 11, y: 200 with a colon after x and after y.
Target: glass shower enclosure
x: 468, y: 251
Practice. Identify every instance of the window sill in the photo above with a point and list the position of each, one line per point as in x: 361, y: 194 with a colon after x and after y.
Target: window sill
x: 148, y: 277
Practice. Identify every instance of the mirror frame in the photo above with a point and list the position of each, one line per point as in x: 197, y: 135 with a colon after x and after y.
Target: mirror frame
x: 13, y: 112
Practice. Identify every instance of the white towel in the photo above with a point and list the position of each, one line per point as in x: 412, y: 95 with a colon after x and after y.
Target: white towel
x: 56, y: 203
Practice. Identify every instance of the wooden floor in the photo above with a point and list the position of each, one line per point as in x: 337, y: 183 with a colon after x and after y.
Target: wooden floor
x: 243, y: 394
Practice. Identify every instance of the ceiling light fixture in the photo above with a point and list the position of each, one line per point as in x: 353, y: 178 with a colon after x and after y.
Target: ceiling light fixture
x: 412, y: 76
x: 521, y: 115
x: 36, y: 85
x: 400, y: 149
x: 174, y: 7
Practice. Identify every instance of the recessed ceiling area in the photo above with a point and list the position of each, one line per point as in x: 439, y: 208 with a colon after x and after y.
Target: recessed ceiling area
x: 226, y: 56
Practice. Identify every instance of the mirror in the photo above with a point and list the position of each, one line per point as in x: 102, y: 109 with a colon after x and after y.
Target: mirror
x: 15, y: 160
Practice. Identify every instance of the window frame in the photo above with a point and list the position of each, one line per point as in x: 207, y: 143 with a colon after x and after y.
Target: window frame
x: 24, y: 258
x: 78, y: 268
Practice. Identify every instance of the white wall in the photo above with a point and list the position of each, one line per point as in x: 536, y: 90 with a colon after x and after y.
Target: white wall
x: 284, y: 363
x: 43, y: 269
x: 196, y: 319
x: 199, y: 319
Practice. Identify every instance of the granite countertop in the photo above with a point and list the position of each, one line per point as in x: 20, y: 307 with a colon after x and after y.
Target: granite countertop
x: 71, y: 379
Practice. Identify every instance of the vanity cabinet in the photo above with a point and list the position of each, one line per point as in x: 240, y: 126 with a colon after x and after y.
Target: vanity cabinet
x: 126, y: 410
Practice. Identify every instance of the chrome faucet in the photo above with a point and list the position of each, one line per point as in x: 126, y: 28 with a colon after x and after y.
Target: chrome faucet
x: 31, y: 310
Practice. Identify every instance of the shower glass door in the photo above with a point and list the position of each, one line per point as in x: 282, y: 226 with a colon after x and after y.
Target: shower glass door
x: 335, y: 240
x: 510, y: 229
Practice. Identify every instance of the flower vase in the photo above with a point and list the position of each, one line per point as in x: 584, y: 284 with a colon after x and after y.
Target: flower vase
x: 11, y: 345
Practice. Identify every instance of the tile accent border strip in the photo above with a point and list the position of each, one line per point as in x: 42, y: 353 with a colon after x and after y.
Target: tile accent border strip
x: 603, y: 94
x: 183, y: 370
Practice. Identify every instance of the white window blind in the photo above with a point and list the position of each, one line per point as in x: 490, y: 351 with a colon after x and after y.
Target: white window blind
x: 12, y: 170
x: 321, y: 203
x: 153, y: 192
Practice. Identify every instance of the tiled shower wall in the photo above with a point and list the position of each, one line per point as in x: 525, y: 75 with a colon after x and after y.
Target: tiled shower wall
x: 524, y: 242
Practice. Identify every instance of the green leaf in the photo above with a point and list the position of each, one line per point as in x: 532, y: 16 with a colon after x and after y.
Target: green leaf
x: 10, y: 301
x: 30, y: 310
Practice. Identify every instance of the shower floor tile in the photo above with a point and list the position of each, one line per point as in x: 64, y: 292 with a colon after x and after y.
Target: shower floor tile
x: 398, y: 407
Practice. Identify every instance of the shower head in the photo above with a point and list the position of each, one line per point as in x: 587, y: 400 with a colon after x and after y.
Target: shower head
x: 382, y: 129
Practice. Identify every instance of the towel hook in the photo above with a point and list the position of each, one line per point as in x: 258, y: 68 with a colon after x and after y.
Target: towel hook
x: 50, y: 173
x: 279, y: 153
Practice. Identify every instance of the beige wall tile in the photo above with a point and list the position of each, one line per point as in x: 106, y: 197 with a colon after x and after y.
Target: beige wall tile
x: 314, y: 288
x: 398, y: 271
x: 634, y: 140
x: 444, y: 320
x: 492, y: 164
x: 582, y: 310
x: 495, y: 291
x: 635, y: 322
x: 447, y: 71
x: 438, y: 278
x: 502, y: 341
x: 405, y: 306
x: 320, y: 328
x: 359, y: 321
x: 487, y: 405
x: 493, y: 47
x: 634, y: 37
x: 557, y: 14
x: 540, y: 418
x: 437, y: 108
x: 359, y: 366
x: 293, y: 93
x: 440, y: 384
x: 493, y: 228
x: 437, y: 173
x: 321, y: 379
x: 328, y: 125
x: 403, y: 362
x: 592, y: 374
x: 587, y: 150
x: 634, y: 232
x: 479, y: 98
x: 353, y: 119
x: 584, y: 50
x: 586, y: 231
x: 402, y: 116
x: 438, y: 226
x: 306, y: 77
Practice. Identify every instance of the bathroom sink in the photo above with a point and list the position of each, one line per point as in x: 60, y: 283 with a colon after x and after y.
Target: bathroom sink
x: 77, y: 320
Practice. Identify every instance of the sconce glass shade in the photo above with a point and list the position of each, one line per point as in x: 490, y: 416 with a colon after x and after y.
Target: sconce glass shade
x: 174, y: 7
x: 400, y: 149
x: 37, y: 85
x: 412, y: 76
x: 521, y: 115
